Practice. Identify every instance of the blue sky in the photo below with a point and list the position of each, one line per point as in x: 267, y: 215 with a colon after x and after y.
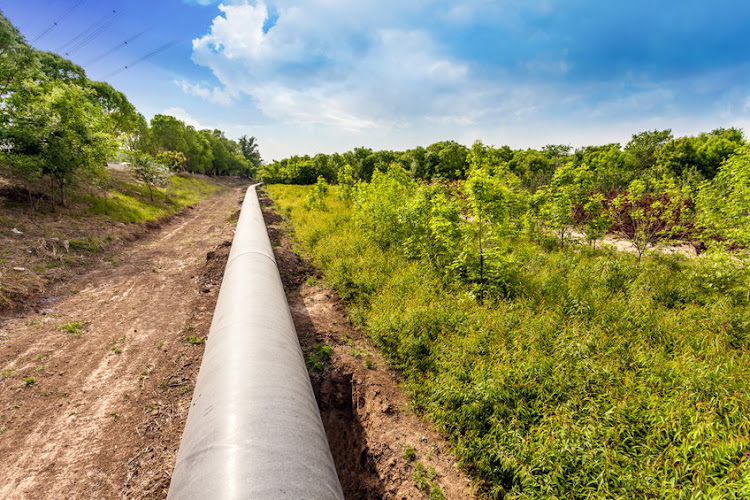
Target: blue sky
x: 330, y: 75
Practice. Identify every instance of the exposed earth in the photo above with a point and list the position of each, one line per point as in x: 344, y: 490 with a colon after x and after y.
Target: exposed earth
x: 96, y: 377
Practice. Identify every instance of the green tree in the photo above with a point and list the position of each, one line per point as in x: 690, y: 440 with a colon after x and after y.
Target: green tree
x: 55, y: 129
x: 146, y: 170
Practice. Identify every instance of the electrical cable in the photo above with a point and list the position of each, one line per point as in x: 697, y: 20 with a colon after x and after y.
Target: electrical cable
x: 85, y: 32
x: 114, y: 49
x: 141, y: 59
x: 56, y: 23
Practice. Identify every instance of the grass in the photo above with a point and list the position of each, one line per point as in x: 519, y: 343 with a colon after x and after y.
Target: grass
x: 582, y: 372
x: 73, y: 327
x: 128, y: 201
x: 195, y: 340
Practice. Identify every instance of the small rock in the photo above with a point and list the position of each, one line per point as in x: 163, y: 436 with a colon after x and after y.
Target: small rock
x: 19, y: 268
x: 16, y: 231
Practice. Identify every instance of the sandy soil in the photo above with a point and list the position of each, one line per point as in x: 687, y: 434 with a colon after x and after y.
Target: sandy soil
x: 95, y: 382
x: 367, y: 417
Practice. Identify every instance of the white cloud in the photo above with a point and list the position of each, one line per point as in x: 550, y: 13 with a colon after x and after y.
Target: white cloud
x: 345, y: 64
x: 215, y: 95
x: 184, y: 116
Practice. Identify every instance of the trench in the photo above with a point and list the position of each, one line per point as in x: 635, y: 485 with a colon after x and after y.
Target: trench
x: 341, y: 407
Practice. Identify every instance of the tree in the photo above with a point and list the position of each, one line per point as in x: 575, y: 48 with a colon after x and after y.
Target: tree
x: 641, y: 150
x: 55, y: 129
x: 249, y: 147
x: 146, y: 170
x: 569, y: 188
x: 723, y: 206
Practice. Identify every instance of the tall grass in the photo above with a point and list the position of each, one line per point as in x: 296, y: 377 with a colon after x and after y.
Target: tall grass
x: 598, y: 376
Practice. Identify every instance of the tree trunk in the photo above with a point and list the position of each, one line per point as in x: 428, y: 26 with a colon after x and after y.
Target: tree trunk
x: 52, y: 191
x: 62, y: 193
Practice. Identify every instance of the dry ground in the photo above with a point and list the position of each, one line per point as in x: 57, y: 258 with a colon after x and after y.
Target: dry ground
x: 97, y: 379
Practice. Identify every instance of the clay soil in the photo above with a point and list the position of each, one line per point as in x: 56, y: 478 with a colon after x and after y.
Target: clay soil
x: 96, y: 377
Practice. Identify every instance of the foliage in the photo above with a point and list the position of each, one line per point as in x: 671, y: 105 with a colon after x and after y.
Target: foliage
x: 146, y: 170
x: 600, y: 376
x: 318, y: 356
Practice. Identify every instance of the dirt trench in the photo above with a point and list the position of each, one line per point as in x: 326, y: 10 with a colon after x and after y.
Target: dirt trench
x: 368, y: 421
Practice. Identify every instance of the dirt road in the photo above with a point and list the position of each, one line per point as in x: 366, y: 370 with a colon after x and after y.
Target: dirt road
x: 95, y: 383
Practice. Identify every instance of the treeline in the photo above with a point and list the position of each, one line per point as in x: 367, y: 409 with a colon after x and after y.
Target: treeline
x: 650, y: 154
x: 59, y: 127
x: 200, y: 151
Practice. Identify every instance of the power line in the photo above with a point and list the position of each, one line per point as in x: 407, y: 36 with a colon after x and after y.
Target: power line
x: 87, y: 31
x: 114, y: 49
x: 140, y: 60
x: 93, y: 35
x: 61, y: 19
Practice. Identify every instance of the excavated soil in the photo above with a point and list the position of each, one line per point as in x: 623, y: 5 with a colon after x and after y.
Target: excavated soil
x: 366, y: 415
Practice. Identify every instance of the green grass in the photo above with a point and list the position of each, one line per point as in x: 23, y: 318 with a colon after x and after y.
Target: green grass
x: 74, y: 327
x: 130, y: 201
x: 583, y: 373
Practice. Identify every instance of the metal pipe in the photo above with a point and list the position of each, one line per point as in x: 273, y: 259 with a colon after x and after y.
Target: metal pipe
x: 253, y: 430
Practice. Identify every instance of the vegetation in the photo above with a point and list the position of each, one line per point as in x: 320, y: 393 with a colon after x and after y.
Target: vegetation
x: 58, y: 128
x: 556, y: 369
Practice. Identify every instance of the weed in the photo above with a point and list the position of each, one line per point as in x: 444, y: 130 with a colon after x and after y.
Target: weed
x: 74, y: 327
x: 3, y: 429
x: 318, y: 356
x: 29, y: 381
x: 189, y: 328
x: 7, y: 373
x: 39, y: 368
x: 40, y: 357
x: 195, y: 340
x: 114, y: 415
x: 312, y: 280
x: 117, y: 345
x: 410, y: 454
x: 89, y: 245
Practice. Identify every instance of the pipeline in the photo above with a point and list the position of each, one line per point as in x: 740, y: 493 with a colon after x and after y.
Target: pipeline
x: 253, y: 430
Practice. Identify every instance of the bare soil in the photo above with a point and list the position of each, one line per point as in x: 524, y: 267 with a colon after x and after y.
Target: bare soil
x: 366, y: 415
x: 95, y: 381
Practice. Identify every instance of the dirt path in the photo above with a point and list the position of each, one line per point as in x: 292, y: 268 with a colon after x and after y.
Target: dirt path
x: 95, y: 384
x: 381, y: 449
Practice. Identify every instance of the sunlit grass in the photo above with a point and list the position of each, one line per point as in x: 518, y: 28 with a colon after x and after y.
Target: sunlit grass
x: 130, y: 201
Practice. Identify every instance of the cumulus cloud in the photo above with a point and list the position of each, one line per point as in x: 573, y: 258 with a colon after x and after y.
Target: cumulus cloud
x: 215, y: 95
x: 346, y: 64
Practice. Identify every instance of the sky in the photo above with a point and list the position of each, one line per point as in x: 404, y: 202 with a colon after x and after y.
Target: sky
x: 324, y: 76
